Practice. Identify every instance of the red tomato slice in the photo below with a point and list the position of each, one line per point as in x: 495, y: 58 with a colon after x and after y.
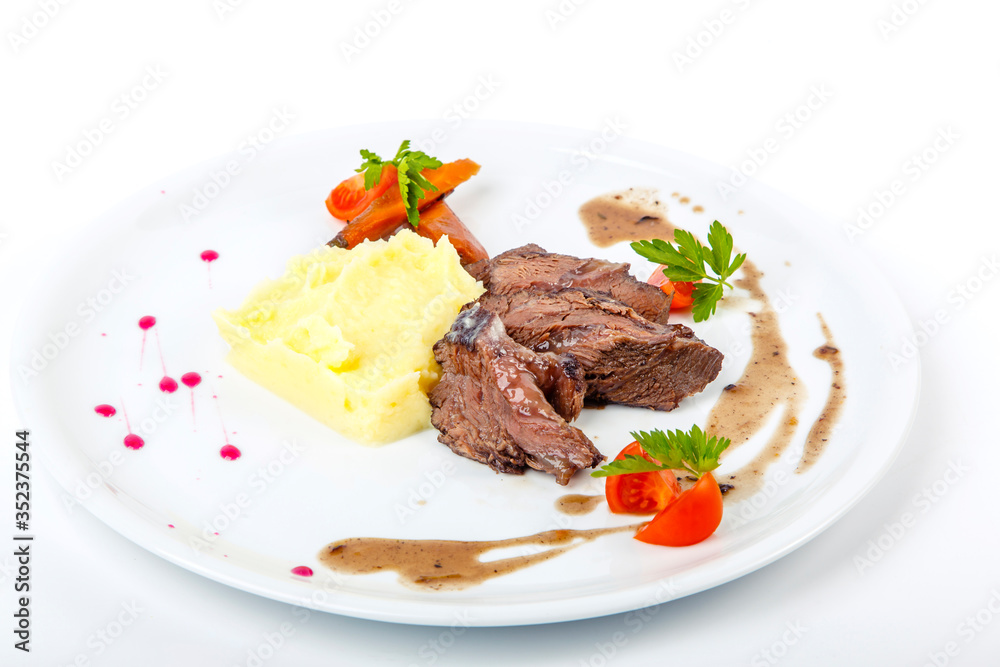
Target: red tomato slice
x: 640, y: 492
x: 683, y: 296
x: 692, y: 517
x: 350, y: 198
x: 661, y: 281
x: 682, y: 291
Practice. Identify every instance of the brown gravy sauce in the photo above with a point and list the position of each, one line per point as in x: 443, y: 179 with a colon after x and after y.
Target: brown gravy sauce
x: 450, y: 565
x: 631, y: 215
x: 768, y: 384
x: 819, y: 434
x: 575, y: 504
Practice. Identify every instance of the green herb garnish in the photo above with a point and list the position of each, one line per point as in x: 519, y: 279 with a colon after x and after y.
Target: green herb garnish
x: 686, y: 263
x: 409, y: 164
x: 693, y: 451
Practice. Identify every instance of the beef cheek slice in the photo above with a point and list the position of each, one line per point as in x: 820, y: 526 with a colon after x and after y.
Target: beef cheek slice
x: 530, y: 267
x: 625, y: 358
x: 491, y: 404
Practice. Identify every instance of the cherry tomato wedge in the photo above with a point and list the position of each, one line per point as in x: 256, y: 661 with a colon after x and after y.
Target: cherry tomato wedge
x: 350, y: 198
x: 692, y: 517
x: 682, y: 292
x: 640, y: 492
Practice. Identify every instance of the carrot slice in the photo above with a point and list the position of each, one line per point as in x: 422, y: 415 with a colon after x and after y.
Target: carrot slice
x: 438, y: 219
x: 387, y: 212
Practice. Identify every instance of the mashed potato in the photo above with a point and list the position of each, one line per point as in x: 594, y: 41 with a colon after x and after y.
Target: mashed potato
x: 346, y: 335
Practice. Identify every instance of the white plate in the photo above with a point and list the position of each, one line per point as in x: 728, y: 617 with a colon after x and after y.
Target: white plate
x: 277, y: 506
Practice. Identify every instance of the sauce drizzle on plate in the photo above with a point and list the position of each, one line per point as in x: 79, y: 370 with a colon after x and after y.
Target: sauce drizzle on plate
x: 451, y: 565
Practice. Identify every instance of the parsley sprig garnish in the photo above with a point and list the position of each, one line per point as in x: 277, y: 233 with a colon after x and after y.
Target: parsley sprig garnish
x: 409, y: 164
x: 692, y: 451
x: 686, y: 263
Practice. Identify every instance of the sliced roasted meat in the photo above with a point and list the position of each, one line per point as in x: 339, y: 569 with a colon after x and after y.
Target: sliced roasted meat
x: 531, y: 268
x: 625, y: 358
x: 491, y: 405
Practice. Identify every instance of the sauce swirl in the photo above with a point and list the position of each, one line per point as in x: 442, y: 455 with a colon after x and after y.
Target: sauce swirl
x: 447, y: 564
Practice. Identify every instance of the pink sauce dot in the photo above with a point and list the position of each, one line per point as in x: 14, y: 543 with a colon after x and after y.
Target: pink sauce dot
x: 302, y: 571
x: 191, y: 380
x: 170, y: 525
x: 146, y: 323
x: 209, y: 256
x: 230, y: 453
x: 105, y: 410
x: 132, y: 441
x: 168, y: 385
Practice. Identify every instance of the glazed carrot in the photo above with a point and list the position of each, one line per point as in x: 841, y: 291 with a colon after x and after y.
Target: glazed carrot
x: 438, y: 219
x: 387, y: 212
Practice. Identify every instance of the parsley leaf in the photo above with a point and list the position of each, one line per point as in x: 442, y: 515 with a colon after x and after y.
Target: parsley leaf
x: 692, y: 451
x: 409, y: 165
x: 686, y: 263
x: 372, y: 166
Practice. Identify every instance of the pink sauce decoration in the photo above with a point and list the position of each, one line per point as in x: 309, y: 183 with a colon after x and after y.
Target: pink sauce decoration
x: 230, y: 453
x: 105, y: 410
x: 145, y: 323
x: 302, y: 571
x: 132, y: 441
x: 209, y: 256
x: 168, y: 385
x: 170, y: 525
x: 192, y: 380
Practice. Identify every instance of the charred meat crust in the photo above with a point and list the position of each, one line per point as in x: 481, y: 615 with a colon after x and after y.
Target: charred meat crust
x: 531, y: 268
x: 490, y: 406
x: 625, y: 358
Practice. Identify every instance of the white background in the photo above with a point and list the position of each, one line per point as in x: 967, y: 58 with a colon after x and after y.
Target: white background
x: 889, y: 90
